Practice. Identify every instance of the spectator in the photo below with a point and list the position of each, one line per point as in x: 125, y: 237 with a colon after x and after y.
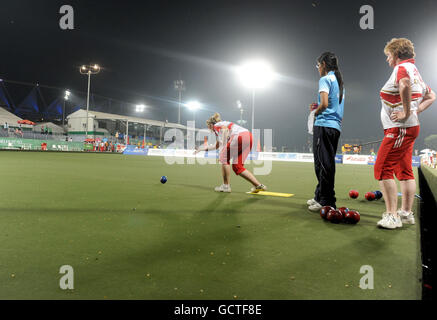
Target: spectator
x: 18, y: 132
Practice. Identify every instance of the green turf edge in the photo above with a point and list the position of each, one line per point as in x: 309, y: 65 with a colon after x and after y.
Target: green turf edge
x: 430, y: 175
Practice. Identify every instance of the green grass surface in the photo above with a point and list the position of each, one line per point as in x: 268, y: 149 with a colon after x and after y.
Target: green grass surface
x: 183, y: 240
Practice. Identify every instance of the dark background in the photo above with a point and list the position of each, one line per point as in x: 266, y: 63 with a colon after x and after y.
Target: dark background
x: 144, y: 46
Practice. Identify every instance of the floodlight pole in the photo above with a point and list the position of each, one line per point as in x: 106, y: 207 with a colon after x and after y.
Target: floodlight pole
x: 87, y: 104
x: 179, y: 86
x: 253, y: 109
x: 88, y: 70
x: 63, y: 116
x: 241, y: 116
x: 127, y: 132
x: 180, y: 102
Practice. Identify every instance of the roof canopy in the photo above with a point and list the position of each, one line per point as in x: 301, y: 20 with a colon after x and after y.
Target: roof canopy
x: 10, y: 118
x: 109, y: 116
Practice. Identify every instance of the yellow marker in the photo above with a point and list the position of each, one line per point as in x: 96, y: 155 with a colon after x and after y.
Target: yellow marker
x: 273, y: 194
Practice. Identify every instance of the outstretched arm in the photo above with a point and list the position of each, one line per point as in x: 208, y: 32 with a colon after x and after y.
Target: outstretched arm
x: 207, y: 148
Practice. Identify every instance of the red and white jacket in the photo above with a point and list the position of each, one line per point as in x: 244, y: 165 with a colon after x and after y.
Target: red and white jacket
x: 391, y: 99
x: 234, y: 130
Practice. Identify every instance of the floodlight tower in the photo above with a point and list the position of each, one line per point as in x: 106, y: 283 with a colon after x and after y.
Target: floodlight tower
x: 179, y: 85
x: 240, y: 106
x: 255, y: 74
x: 66, y: 97
x: 193, y: 106
x: 141, y: 108
x: 89, y: 70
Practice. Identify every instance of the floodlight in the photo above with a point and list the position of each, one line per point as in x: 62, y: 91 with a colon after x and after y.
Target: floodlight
x: 255, y: 74
x: 193, y: 105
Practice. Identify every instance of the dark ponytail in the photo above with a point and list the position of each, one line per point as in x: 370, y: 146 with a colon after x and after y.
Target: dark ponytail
x: 331, y: 63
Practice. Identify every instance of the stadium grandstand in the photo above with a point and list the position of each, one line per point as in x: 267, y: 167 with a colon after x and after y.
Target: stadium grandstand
x: 63, y: 120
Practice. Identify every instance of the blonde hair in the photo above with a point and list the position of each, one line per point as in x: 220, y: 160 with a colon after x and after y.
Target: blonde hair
x: 401, y: 48
x: 214, y: 119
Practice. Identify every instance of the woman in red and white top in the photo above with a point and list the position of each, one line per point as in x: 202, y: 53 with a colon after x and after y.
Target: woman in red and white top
x: 403, y: 97
x: 235, y: 143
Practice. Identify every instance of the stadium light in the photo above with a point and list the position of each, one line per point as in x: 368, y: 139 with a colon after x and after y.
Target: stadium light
x: 67, y: 95
x: 255, y: 74
x: 194, y: 106
x: 140, y: 108
x: 88, y: 70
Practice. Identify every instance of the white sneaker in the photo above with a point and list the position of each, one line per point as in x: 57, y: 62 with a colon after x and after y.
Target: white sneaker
x: 315, y: 207
x: 389, y: 221
x: 259, y: 188
x: 406, y: 217
x: 223, y: 188
x: 311, y: 202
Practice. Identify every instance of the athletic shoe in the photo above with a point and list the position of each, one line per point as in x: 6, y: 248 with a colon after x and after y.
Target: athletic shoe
x: 259, y: 188
x: 311, y: 202
x: 223, y: 188
x: 389, y: 221
x: 406, y: 217
x: 315, y: 207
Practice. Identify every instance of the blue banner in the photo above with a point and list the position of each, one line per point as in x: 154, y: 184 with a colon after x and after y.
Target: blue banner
x: 253, y: 156
x: 212, y: 154
x: 416, y: 161
x: 371, y: 161
x: 133, y: 150
x: 338, y: 158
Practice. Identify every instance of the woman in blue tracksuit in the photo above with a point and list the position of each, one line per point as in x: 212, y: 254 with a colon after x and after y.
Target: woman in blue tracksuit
x: 327, y: 128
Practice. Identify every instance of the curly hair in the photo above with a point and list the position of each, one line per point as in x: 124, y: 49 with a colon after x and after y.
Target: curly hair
x: 214, y: 119
x: 401, y: 48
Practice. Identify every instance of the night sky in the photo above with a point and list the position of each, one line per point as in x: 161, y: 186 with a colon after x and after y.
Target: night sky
x: 144, y: 46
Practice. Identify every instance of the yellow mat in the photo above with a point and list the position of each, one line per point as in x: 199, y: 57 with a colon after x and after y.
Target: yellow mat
x: 273, y: 194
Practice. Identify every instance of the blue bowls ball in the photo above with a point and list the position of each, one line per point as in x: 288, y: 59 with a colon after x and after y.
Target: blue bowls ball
x: 163, y: 179
x: 378, y: 194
